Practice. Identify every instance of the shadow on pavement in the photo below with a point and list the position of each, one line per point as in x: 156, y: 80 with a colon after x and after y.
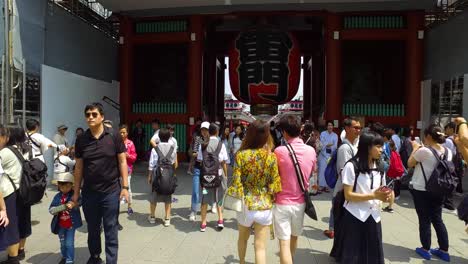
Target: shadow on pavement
x: 81, y: 255
x: 314, y: 233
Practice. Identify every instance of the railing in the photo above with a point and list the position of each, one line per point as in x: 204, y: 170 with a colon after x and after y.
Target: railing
x: 374, y: 109
x: 160, y: 107
x: 368, y: 22
x: 180, y: 134
x: 161, y: 27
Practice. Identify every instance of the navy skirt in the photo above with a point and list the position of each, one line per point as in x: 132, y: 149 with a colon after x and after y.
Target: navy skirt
x: 9, y: 235
x: 358, y: 242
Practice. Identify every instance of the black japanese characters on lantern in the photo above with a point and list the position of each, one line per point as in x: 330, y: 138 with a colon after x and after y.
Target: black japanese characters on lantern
x: 264, y: 66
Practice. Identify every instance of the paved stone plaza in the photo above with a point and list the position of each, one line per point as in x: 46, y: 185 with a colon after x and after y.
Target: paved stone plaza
x: 182, y: 242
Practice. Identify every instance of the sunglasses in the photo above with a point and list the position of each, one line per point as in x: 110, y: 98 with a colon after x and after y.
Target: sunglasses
x: 94, y: 114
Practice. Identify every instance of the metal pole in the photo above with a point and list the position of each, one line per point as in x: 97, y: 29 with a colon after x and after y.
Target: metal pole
x: 2, y: 110
x: 7, y: 56
x: 24, y: 93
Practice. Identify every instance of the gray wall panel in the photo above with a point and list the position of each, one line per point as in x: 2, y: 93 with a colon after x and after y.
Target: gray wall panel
x: 446, y: 54
x: 75, y: 46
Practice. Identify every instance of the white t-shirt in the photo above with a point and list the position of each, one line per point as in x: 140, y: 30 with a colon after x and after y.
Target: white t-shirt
x: 362, y: 210
x: 65, y: 161
x: 42, y: 145
x: 425, y: 157
x: 164, y: 147
x: 155, y: 137
x: 237, y: 142
x: 173, y: 141
x: 212, y: 145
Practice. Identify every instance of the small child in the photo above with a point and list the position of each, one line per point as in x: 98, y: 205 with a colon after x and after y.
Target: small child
x: 67, y: 217
x: 164, y: 146
x: 395, y: 172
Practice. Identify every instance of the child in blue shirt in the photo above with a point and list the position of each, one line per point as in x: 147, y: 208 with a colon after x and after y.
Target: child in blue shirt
x: 67, y: 217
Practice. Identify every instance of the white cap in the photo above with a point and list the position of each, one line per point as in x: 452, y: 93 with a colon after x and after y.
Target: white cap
x: 62, y: 148
x: 65, y: 177
x: 205, y: 125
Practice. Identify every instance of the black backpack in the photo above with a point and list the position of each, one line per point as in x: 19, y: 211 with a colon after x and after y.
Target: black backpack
x: 164, y: 181
x: 210, y: 177
x: 33, y: 178
x: 443, y: 179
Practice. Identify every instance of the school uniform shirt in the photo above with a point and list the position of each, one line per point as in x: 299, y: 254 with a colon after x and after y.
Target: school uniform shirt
x: 365, y: 185
x: 65, y: 162
x: 164, y: 147
x: 173, y: 140
x: 42, y: 145
x: 212, y: 145
x: 425, y: 157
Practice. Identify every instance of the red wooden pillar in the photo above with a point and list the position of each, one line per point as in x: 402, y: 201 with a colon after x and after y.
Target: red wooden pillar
x: 334, y: 76
x: 126, y: 68
x: 195, y: 67
x: 220, y: 89
x: 414, y: 67
x: 307, y: 77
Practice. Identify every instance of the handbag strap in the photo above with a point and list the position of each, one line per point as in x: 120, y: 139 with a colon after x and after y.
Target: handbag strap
x: 300, y: 177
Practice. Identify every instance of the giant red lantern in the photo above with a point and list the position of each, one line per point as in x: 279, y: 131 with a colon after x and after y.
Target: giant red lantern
x: 264, y: 66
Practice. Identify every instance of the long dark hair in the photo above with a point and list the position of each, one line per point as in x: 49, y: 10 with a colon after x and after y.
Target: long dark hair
x: 223, y: 135
x: 366, y: 141
x: 18, y: 138
x: 257, y: 135
x: 241, y: 135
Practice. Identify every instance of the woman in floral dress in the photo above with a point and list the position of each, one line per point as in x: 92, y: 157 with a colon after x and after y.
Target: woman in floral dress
x: 256, y: 179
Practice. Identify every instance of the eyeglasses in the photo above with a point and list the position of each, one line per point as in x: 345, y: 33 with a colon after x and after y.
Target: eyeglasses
x: 357, y: 127
x: 89, y: 114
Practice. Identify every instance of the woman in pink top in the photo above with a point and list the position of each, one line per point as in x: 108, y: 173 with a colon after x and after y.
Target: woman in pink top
x: 131, y: 158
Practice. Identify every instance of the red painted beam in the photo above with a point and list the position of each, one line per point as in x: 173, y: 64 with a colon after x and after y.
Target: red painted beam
x: 334, y: 71
x: 126, y: 68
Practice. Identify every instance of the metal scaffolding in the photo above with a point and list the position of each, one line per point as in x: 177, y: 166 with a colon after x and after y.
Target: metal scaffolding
x: 445, y: 10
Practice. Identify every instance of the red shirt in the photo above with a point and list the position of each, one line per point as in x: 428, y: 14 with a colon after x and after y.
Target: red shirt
x: 64, y: 217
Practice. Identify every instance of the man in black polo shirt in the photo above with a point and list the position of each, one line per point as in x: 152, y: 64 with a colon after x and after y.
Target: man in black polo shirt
x: 100, y: 162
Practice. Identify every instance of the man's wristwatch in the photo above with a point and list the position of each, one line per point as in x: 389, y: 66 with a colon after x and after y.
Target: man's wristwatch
x: 125, y: 188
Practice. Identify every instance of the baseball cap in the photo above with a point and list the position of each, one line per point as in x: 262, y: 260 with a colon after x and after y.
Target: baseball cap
x: 205, y: 125
x: 62, y: 127
x: 65, y: 177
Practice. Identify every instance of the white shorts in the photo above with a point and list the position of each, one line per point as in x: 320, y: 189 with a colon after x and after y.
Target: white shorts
x: 288, y: 220
x: 248, y: 218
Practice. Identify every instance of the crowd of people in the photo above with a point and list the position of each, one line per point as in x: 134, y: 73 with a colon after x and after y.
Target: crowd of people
x: 271, y: 165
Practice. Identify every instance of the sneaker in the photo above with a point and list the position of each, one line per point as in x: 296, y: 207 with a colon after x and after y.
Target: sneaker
x: 129, y: 211
x: 120, y: 227
x: 167, y: 222
x: 21, y: 254
x: 220, y: 225
x: 397, y: 198
x: 388, y: 209
x: 62, y: 261
x: 202, y: 227
x: 152, y: 220
x: 189, y: 172
x: 329, y: 233
x: 214, y: 209
x: 440, y: 254
x: 449, y: 211
x: 11, y: 260
x: 424, y: 253
x: 192, y: 216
